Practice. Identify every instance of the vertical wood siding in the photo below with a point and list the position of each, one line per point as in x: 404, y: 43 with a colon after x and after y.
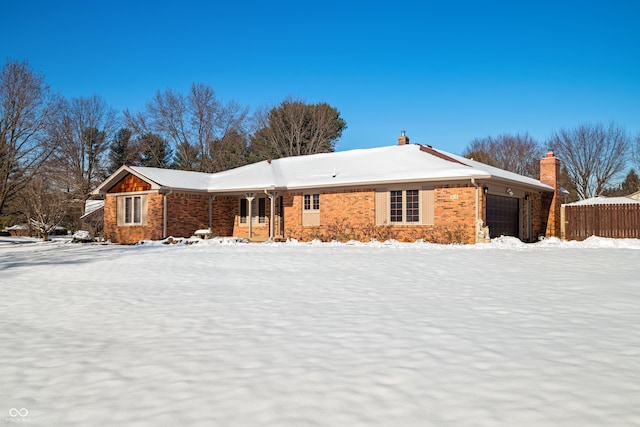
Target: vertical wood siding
x: 617, y: 221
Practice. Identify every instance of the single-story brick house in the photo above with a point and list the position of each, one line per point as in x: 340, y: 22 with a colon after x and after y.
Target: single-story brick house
x: 406, y: 191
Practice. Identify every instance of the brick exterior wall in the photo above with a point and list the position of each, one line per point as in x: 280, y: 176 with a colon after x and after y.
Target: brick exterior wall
x: 350, y: 214
x: 352, y: 211
x: 455, y: 209
x: 223, y: 216
x: 539, y: 215
x: 186, y: 213
x: 550, y: 175
x: 131, y: 234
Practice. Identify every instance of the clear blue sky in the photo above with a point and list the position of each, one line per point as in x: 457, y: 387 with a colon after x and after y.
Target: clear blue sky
x: 447, y: 72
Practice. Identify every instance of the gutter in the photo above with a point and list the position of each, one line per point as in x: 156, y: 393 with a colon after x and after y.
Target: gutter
x: 362, y: 184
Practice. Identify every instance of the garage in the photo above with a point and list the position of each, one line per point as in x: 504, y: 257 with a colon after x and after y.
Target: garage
x: 503, y: 216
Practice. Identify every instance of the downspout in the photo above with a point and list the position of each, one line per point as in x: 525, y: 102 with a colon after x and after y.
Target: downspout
x: 164, y: 216
x: 475, y: 184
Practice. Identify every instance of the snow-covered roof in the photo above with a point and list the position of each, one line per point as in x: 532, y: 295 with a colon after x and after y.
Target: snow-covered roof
x: 17, y: 227
x: 497, y: 172
x: 175, y: 178
x: 371, y: 166
x: 91, y: 206
x: 159, y: 178
x: 602, y: 200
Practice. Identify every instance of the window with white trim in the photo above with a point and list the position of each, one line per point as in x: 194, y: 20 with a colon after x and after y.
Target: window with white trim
x: 312, y: 202
x: 405, y: 206
x: 311, y: 210
x: 131, y: 210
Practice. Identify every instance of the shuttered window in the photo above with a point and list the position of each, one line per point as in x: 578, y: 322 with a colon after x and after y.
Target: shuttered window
x: 404, y: 206
x: 410, y: 206
x: 258, y: 210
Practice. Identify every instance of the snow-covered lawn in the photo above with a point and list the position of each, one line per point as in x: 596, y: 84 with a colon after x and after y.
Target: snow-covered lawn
x: 233, y: 334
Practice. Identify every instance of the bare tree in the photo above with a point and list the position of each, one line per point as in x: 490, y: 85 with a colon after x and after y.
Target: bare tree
x: 83, y: 135
x: 636, y: 151
x: 27, y: 111
x: 196, y: 125
x: 295, y: 128
x: 43, y: 205
x: 593, y: 155
x: 516, y: 153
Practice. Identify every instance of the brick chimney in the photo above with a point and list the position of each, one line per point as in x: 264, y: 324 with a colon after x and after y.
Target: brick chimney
x: 550, y: 175
x: 403, y: 139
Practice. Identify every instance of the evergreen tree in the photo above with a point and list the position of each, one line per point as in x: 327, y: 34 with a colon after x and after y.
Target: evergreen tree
x: 122, y: 151
x: 155, y: 151
x: 631, y: 184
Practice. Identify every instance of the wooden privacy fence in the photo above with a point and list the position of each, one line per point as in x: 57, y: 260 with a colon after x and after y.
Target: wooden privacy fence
x: 617, y: 221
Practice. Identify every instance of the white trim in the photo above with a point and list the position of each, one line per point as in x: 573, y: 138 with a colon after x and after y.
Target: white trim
x: 121, y: 210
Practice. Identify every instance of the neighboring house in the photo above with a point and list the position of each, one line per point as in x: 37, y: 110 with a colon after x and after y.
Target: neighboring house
x: 407, y: 192
x: 93, y: 218
x: 21, y: 230
x: 635, y: 196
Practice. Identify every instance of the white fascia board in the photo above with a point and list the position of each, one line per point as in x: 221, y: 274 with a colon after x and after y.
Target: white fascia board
x: 522, y: 185
x: 360, y: 184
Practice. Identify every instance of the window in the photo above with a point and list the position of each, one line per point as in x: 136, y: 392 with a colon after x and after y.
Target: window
x: 262, y: 210
x: 412, y: 206
x: 405, y: 207
x: 243, y: 211
x: 312, y: 202
x: 396, y: 206
x: 258, y: 210
x: 131, y: 210
x: 311, y: 210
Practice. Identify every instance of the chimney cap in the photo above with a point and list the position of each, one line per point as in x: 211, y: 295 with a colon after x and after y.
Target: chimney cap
x: 550, y: 153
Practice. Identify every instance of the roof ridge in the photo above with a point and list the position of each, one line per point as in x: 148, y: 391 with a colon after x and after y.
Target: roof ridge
x: 430, y: 150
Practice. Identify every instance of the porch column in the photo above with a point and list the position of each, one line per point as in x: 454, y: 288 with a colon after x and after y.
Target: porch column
x: 272, y: 199
x: 211, y: 199
x: 250, y: 197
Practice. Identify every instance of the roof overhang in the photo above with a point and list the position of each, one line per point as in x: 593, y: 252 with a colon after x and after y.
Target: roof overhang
x: 118, y: 175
